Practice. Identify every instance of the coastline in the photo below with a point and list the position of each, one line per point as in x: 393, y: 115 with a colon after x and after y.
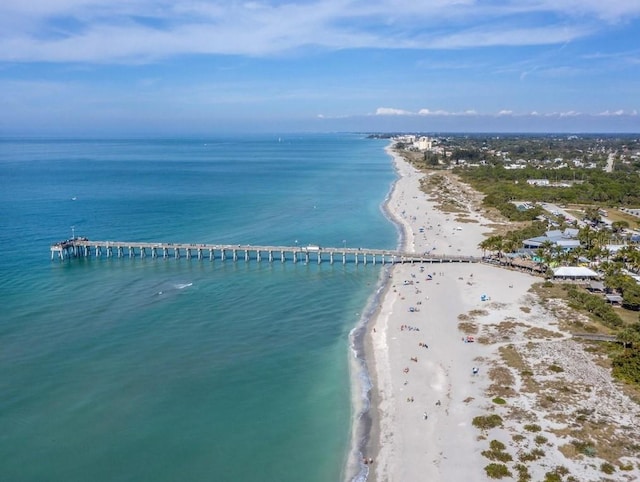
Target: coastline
x: 424, y: 392
x: 366, y: 422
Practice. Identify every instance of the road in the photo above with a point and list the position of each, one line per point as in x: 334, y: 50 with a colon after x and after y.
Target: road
x: 557, y: 210
x: 609, y: 167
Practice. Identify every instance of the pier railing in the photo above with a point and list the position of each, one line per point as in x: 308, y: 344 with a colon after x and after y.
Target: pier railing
x: 85, y: 248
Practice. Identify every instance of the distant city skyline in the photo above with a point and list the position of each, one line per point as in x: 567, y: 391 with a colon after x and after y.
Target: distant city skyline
x: 116, y: 67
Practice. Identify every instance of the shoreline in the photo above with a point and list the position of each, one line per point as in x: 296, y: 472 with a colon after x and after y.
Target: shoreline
x: 366, y: 423
x: 428, y: 383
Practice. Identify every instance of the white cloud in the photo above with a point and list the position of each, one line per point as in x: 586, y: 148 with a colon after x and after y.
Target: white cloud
x: 440, y: 112
x: 501, y: 113
x: 570, y: 113
x: 121, y: 30
x: 392, y: 111
x: 499, y: 36
x: 618, y: 112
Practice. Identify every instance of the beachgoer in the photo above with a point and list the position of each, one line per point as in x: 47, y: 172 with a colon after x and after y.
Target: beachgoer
x: 425, y: 415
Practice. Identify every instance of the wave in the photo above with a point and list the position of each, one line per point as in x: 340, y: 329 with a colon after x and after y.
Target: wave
x: 181, y: 286
x: 356, y: 470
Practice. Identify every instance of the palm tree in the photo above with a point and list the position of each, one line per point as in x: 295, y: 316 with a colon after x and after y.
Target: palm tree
x: 494, y: 243
x: 485, y: 245
x: 586, y: 235
x: 603, y: 237
x: 547, y: 249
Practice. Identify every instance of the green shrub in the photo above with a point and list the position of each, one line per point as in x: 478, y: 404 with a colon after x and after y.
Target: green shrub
x: 499, y: 401
x: 497, y: 455
x: 485, y: 422
x: 607, y: 468
x: 532, y: 427
x: 497, y: 471
x: 535, y: 454
x: 626, y: 467
x: 497, y: 445
x: 516, y: 437
x: 555, y: 368
x: 626, y: 365
x: 523, y: 473
x: 595, y: 305
x: 540, y: 439
x: 585, y: 448
x: 552, y: 477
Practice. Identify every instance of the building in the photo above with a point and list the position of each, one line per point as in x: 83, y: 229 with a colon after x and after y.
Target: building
x: 566, y: 239
x: 423, y: 143
x: 538, y: 182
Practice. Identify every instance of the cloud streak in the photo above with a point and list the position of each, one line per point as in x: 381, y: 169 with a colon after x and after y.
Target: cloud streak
x: 390, y: 111
x: 145, y: 30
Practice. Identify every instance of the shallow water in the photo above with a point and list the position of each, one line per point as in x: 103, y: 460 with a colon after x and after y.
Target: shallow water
x: 119, y: 369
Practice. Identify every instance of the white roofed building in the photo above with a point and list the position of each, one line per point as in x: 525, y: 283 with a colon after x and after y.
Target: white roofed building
x: 574, y: 273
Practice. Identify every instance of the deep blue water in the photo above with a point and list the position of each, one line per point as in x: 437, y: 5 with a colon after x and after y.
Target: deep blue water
x: 165, y: 370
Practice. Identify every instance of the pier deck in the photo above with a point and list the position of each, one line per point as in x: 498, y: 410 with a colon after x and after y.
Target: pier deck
x: 83, y: 247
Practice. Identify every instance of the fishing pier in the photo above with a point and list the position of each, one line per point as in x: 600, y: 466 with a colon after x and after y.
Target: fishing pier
x: 80, y: 247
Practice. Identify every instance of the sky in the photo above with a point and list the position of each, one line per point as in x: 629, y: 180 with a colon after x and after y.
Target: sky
x: 180, y: 67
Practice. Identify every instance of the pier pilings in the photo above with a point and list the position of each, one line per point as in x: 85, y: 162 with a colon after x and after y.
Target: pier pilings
x: 83, y: 248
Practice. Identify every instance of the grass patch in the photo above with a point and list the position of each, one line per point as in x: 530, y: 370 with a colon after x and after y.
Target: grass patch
x: 502, y: 382
x: 512, y: 358
x: 497, y: 471
x: 584, y: 448
x: 532, y: 427
x: 556, y: 368
x: 540, y: 439
x: 476, y: 313
x: 626, y: 467
x: 468, y: 327
x: 523, y: 472
x: 462, y: 219
x: 486, y: 422
x: 607, y: 468
x: 556, y: 474
x: 497, y: 455
x: 543, y: 333
x: 534, y: 454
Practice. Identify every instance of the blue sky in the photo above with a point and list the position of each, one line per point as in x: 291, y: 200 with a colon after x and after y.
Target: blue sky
x: 206, y: 66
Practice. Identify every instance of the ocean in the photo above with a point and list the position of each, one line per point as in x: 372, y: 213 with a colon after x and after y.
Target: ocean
x: 164, y: 369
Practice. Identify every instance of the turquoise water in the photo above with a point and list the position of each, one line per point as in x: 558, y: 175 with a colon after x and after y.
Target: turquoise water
x: 164, y: 370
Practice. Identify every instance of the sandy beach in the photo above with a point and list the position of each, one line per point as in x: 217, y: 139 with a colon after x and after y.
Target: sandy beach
x: 429, y: 382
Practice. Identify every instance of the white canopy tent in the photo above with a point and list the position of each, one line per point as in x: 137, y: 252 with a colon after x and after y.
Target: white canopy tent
x: 574, y: 272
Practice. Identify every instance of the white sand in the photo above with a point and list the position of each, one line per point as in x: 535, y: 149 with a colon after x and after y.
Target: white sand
x: 444, y: 446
